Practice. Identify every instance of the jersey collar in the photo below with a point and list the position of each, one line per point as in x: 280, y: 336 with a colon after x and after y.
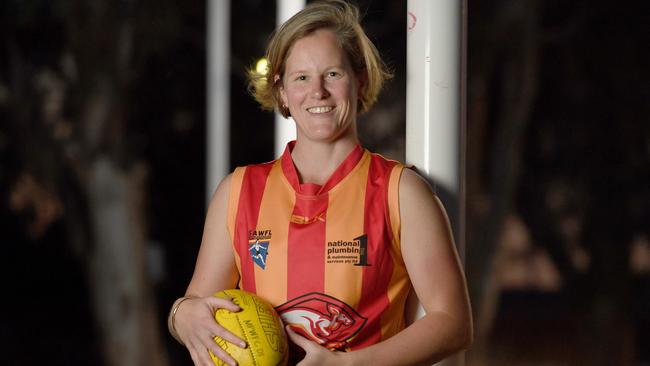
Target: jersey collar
x: 311, y: 189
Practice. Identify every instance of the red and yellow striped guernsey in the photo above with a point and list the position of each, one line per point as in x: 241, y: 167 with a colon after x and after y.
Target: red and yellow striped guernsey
x: 327, y: 257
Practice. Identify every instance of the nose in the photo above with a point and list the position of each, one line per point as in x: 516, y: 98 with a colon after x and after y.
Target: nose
x: 319, y: 91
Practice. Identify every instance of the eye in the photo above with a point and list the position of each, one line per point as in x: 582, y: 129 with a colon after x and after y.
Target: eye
x: 333, y: 74
x: 301, y: 78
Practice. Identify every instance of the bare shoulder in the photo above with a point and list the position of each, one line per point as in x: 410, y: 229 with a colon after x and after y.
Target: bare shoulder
x: 416, y: 195
x: 216, y: 217
x: 220, y: 195
x: 224, y: 186
x: 413, y: 183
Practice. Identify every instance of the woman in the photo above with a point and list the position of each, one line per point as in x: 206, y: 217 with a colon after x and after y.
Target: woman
x: 332, y: 235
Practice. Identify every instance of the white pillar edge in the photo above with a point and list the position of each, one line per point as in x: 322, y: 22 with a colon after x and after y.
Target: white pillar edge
x: 218, y: 94
x: 435, y: 107
x: 285, y: 129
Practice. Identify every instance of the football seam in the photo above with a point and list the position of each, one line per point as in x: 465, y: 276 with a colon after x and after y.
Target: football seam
x: 243, y: 331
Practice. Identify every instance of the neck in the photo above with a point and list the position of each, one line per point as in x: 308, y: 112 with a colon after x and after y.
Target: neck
x: 315, y: 162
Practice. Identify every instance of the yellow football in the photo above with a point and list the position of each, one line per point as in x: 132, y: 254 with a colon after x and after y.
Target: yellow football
x: 258, y: 324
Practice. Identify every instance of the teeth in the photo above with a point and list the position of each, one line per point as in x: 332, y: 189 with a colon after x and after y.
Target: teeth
x: 320, y: 109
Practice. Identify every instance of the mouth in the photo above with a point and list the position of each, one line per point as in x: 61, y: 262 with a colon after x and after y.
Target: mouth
x: 320, y: 110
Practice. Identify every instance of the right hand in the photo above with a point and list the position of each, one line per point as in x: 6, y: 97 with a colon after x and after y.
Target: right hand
x: 196, y: 327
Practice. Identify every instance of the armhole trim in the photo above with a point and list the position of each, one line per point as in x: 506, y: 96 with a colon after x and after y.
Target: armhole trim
x: 393, y: 206
x: 233, y: 200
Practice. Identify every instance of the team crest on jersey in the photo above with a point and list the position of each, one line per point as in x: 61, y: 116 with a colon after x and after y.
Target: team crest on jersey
x: 326, y: 320
x: 258, y: 246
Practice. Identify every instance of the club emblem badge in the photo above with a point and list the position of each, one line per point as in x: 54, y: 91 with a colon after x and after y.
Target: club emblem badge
x: 324, y: 319
x: 258, y: 251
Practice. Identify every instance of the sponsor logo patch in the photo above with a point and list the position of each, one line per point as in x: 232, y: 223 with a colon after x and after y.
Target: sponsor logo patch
x: 353, y: 251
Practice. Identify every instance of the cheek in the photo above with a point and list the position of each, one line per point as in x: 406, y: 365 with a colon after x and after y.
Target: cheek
x: 283, y: 95
x: 348, y: 94
x: 293, y: 96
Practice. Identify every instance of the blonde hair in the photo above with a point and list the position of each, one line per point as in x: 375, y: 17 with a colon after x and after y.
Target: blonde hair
x: 343, y: 20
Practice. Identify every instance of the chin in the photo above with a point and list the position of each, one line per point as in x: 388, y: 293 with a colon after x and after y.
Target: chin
x: 321, y: 137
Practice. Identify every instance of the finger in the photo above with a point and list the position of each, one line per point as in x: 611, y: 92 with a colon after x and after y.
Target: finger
x: 200, y: 356
x: 198, y: 352
x: 194, y: 356
x: 225, y: 334
x: 220, y: 353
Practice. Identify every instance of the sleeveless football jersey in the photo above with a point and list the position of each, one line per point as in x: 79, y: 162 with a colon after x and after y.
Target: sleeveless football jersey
x: 327, y: 257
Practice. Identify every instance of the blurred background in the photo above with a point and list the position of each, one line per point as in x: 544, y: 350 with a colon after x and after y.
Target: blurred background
x: 103, y: 153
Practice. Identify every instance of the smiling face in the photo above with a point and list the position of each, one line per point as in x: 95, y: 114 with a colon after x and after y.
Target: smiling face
x: 320, y: 88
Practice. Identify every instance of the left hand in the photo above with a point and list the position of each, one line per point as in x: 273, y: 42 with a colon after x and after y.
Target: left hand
x: 316, y: 354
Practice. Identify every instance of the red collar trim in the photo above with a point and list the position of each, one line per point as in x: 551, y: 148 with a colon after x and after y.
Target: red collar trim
x: 311, y: 189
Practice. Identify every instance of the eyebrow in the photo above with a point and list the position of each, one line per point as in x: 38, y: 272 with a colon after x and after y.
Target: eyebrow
x: 306, y: 72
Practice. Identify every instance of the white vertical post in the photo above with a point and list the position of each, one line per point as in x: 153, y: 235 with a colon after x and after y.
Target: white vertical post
x: 434, y: 103
x: 285, y: 129
x: 433, y: 89
x: 218, y: 94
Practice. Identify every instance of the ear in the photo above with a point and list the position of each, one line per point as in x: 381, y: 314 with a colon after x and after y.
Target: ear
x: 362, y: 83
x: 283, y: 94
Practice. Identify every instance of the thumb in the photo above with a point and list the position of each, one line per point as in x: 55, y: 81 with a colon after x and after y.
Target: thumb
x: 219, y: 303
x: 297, y: 338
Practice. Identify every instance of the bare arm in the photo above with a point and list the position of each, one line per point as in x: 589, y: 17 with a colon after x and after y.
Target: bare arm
x: 215, y: 268
x: 435, y: 271
x: 193, y: 323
